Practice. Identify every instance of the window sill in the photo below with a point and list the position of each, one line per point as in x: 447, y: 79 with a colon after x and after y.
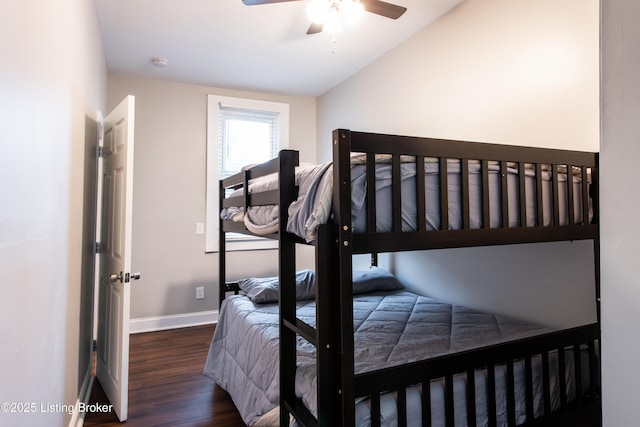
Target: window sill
x: 258, y: 244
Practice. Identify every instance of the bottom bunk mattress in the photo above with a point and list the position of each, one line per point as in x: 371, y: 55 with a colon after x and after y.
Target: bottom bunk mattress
x: 391, y: 328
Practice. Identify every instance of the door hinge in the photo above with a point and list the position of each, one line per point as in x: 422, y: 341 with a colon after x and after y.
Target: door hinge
x: 100, y: 152
x: 98, y: 248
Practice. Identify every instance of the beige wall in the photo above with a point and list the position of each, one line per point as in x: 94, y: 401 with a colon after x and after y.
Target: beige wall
x: 511, y: 72
x: 501, y: 71
x: 53, y: 83
x: 169, y: 194
x: 620, y: 231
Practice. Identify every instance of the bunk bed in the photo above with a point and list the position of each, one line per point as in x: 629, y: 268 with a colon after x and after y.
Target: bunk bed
x: 424, y: 194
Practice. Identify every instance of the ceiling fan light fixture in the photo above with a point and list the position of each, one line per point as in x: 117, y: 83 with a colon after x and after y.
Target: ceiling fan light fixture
x: 332, y: 14
x: 318, y: 10
x: 333, y: 23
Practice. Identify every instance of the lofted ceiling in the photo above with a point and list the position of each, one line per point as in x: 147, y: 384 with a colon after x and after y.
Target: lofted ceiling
x: 262, y: 48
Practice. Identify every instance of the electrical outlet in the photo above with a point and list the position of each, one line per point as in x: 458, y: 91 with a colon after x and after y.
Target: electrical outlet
x: 200, y: 292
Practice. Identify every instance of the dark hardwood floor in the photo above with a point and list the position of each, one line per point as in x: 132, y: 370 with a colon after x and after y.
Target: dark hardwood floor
x: 166, y: 384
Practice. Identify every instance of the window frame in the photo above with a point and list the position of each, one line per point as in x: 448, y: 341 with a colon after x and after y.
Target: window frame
x: 238, y: 242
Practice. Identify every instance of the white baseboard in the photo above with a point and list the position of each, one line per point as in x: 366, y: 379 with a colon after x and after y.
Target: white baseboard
x: 159, y: 323
x: 77, y: 418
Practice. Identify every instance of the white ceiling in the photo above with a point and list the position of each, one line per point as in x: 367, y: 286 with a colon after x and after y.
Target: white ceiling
x: 264, y: 48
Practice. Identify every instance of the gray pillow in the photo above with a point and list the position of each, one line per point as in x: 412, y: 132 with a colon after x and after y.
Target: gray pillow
x: 374, y: 279
x: 264, y: 290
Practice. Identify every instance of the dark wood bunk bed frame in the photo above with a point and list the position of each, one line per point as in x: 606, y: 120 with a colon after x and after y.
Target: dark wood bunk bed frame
x: 338, y: 385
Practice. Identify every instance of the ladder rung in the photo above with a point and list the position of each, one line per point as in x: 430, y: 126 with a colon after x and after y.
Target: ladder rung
x: 300, y: 412
x: 303, y: 329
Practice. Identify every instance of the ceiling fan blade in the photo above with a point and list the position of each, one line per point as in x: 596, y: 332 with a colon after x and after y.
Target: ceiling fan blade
x: 382, y: 8
x: 256, y: 2
x: 315, y: 28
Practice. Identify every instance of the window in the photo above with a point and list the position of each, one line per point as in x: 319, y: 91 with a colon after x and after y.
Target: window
x: 240, y: 132
x: 246, y: 137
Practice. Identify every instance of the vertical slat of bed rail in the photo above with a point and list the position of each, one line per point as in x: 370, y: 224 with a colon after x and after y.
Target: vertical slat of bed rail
x: 444, y: 194
x: 245, y: 185
x: 594, y: 193
x: 396, y: 192
x: 585, y: 195
x: 486, y: 214
x: 596, y: 257
x: 371, y: 200
x: 448, y: 401
x: 471, y: 398
x: 577, y: 360
x: 426, y: 403
x: 402, y: 407
x: 522, y: 193
x: 287, y: 271
x: 375, y: 410
x: 546, y: 383
x: 562, y: 378
x: 528, y: 381
x: 464, y: 176
x: 492, y: 419
x: 570, y: 204
x: 556, y: 195
x: 504, y: 188
x: 421, y: 220
x: 511, y: 395
x: 222, y: 253
x: 343, y: 266
x: 371, y: 193
x: 593, y: 370
x: 539, y: 199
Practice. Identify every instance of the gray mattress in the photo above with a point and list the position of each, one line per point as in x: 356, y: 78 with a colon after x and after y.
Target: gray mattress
x: 391, y: 328
x: 313, y: 205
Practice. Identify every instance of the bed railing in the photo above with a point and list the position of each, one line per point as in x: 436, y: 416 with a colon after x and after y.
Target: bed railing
x: 284, y: 166
x: 551, y: 350
x: 580, y: 168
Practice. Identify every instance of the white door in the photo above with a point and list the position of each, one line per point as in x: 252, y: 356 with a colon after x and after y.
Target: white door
x: 115, y: 276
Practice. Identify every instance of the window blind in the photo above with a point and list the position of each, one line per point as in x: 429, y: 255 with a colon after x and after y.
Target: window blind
x: 246, y: 137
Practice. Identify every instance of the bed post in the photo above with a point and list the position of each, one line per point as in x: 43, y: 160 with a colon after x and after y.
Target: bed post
x: 595, y: 362
x: 343, y: 265
x: 222, y: 259
x: 287, y: 161
x: 595, y: 208
x: 327, y: 323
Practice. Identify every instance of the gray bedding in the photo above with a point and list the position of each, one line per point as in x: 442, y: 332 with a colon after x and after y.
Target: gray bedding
x: 313, y: 206
x: 391, y: 328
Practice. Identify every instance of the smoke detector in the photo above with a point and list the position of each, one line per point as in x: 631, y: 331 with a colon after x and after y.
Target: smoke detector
x: 159, y: 62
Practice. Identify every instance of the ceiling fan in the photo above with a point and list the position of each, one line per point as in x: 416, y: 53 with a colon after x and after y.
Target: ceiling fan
x: 328, y: 14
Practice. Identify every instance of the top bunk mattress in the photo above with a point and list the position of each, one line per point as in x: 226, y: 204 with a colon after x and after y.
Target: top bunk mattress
x: 314, y: 202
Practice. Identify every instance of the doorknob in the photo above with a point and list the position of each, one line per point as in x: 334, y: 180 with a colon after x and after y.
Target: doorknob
x: 135, y: 276
x: 116, y: 277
